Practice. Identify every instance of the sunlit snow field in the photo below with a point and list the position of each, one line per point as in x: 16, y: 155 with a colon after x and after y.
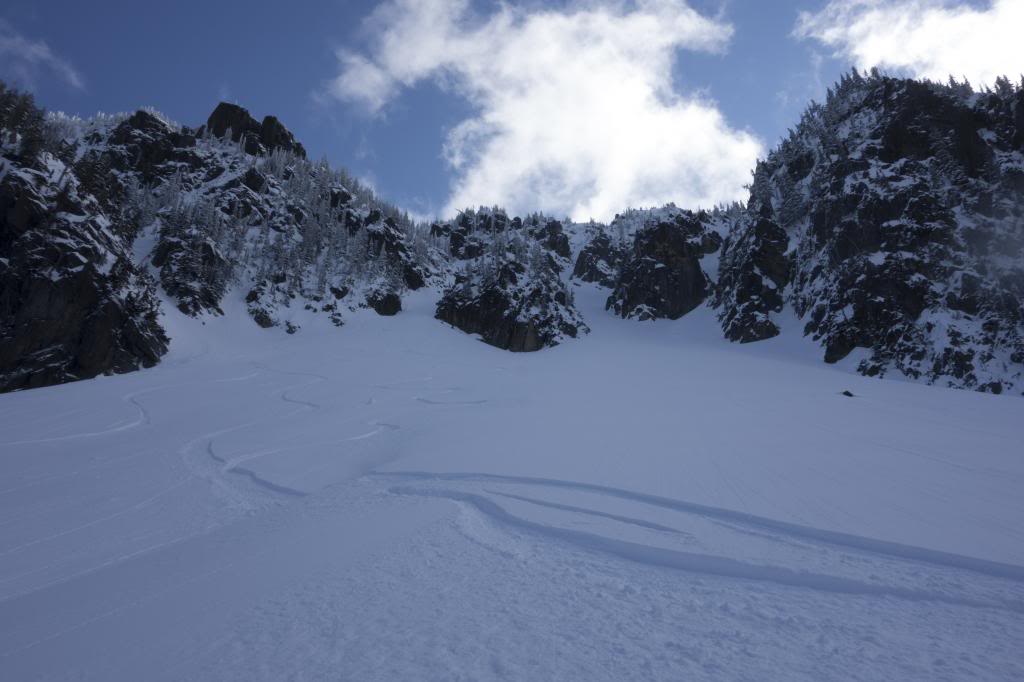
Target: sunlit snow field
x: 397, y: 500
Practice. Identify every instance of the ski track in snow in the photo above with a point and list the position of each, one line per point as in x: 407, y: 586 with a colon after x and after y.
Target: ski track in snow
x: 134, y: 508
x: 234, y: 464
x: 718, y: 566
x: 279, y: 523
x: 845, y: 540
x: 317, y: 378
x: 132, y: 398
x: 592, y: 512
x: 142, y: 419
x: 449, y: 402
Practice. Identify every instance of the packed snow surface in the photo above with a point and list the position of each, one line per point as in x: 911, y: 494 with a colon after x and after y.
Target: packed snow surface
x: 397, y: 500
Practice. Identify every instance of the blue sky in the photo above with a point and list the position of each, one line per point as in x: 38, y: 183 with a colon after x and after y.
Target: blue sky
x: 513, y: 104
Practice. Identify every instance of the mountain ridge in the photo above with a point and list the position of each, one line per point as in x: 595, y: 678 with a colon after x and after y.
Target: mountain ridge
x: 890, y: 220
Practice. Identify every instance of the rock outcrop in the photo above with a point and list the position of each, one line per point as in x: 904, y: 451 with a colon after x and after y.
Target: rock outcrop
x: 513, y: 298
x: 755, y: 271
x: 72, y: 303
x: 221, y: 214
x: 662, y: 276
x: 892, y: 220
x: 385, y: 303
x: 258, y: 138
x: 96, y: 214
x: 600, y: 261
x: 551, y: 235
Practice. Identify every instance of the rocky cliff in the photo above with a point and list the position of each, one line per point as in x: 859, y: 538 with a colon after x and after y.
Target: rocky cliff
x: 73, y: 304
x: 892, y: 222
x: 99, y: 218
x: 661, y: 275
x: 889, y: 223
x: 511, y: 292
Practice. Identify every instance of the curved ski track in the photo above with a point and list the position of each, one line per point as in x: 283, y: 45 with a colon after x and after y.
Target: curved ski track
x: 946, y: 575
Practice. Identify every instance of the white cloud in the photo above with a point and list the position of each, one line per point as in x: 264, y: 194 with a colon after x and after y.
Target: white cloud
x: 22, y: 59
x: 576, y: 112
x: 926, y: 38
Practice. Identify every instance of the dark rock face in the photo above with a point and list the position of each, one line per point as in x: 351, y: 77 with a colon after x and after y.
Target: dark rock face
x: 146, y: 145
x: 662, y: 277
x: 462, y: 246
x: 600, y: 261
x: 754, y: 273
x: 89, y: 208
x: 553, y: 238
x: 260, y: 138
x: 274, y: 135
x: 192, y: 271
x: 285, y: 229
x: 72, y: 304
x: 469, y: 233
x: 892, y: 220
x: 386, y: 241
x: 384, y: 303
x: 264, y: 298
x: 512, y: 306
x: 508, y: 288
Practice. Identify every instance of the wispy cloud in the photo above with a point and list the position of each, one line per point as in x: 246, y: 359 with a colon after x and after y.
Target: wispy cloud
x: 926, y: 38
x: 576, y: 112
x: 23, y: 60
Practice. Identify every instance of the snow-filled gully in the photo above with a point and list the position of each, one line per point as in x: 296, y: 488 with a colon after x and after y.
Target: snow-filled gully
x: 456, y: 512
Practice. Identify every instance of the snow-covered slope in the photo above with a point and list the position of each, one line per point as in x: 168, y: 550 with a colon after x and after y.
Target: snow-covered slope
x: 320, y: 480
x: 401, y: 501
